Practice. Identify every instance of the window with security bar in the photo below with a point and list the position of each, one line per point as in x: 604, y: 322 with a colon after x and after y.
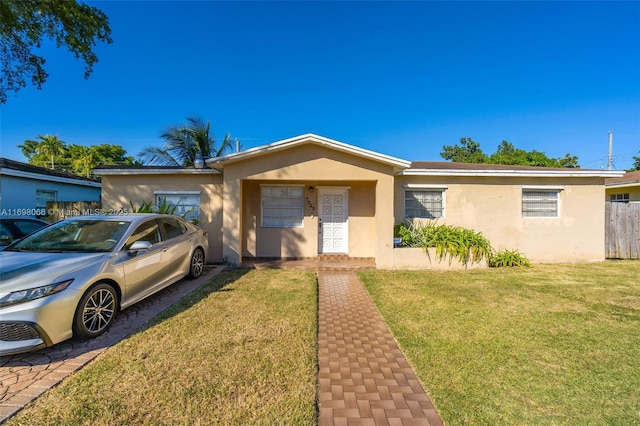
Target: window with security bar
x: 186, y: 205
x: 619, y: 198
x: 540, y: 203
x: 427, y: 204
x: 282, y: 206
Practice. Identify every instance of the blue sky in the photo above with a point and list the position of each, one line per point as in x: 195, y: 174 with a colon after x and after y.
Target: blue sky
x: 400, y: 78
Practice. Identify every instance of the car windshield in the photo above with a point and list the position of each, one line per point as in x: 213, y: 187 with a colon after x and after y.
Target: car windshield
x: 75, y: 235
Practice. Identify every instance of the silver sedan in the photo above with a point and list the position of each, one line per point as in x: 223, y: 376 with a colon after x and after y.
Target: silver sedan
x: 71, y: 278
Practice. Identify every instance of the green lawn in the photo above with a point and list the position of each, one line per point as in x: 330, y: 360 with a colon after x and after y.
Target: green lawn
x: 548, y: 345
x: 241, y: 350
x: 553, y: 344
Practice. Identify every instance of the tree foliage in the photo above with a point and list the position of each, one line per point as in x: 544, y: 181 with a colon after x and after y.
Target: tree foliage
x: 636, y: 164
x: 24, y: 24
x: 469, y: 151
x: 50, y: 151
x: 184, y: 143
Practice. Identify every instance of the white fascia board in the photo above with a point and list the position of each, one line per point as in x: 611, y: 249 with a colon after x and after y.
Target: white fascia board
x: 425, y: 186
x: 176, y: 192
x: 623, y: 185
x: 49, y: 178
x: 315, y: 139
x: 125, y: 172
x: 512, y: 173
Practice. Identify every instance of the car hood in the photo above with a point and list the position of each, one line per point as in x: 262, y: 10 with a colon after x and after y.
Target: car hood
x: 22, y: 270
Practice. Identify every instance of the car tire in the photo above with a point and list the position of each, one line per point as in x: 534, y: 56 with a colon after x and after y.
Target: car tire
x: 96, y: 311
x: 196, y: 265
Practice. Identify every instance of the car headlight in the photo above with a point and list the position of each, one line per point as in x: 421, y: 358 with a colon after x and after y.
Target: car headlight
x: 22, y: 296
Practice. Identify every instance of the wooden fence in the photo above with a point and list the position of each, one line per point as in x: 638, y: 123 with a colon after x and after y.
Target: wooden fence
x: 58, y: 210
x: 622, y: 230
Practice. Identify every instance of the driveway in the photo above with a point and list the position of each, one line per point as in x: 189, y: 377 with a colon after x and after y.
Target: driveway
x: 24, y: 377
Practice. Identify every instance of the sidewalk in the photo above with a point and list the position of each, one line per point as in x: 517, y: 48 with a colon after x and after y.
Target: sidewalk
x: 364, y: 377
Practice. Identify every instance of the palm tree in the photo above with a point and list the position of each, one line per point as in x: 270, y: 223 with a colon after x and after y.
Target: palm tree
x: 85, y: 161
x: 184, y: 143
x: 51, y: 146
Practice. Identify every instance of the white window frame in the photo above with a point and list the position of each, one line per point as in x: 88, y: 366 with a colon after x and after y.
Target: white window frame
x: 527, y: 213
x: 619, y: 198
x: 281, y: 206
x: 192, y: 209
x: 39, y: 198
x: 442, y: 189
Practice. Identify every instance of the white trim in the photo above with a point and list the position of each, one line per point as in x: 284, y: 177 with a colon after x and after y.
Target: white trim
x: 176, y: 192
x: 127, y: 172
x: 48, y: 178
x: 432, y: 188
x: 622, y: 185
x: 296, y: 185
x: 425, y: 186
x: 511, y: 173
x: 314, y: 139
x: 333, y: 187
x: 544, y: 187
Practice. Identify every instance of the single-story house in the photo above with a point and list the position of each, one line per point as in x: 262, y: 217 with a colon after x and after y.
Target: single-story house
x: 624, y: 189
x: 25, y: 188
x: 310, y: 195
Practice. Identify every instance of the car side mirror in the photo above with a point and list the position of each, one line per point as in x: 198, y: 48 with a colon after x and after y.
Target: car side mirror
x: 139, y: 246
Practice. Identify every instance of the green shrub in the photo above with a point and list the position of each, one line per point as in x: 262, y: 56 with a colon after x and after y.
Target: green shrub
x: 149, y: 207
x: 449, y: 241
x: 508, y: 258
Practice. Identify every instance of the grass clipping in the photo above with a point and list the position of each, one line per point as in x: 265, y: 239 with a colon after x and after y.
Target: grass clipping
x: 241, y: 350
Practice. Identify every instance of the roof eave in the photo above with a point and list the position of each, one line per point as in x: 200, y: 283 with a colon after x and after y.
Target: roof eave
x: 396, y: 163
x: 512, y: 173
x: 152, y: 171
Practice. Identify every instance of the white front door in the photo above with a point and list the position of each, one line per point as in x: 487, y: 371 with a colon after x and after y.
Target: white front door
x: 332, y: 220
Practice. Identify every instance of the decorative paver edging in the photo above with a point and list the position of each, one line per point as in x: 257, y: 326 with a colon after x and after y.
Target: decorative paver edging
x: 24, y: 377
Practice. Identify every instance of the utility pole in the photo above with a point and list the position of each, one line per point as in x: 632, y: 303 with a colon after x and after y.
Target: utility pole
x: 610, y: 158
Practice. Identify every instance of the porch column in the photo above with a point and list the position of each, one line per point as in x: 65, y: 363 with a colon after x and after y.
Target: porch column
x: 231, y: 221
x: 384, y: 222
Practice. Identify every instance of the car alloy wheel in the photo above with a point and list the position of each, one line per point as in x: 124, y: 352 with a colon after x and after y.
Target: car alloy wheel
x: 96, y: 311
x: 197, y: 263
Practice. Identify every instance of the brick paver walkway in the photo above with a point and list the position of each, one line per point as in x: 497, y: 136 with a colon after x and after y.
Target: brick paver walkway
x: 364, y: 377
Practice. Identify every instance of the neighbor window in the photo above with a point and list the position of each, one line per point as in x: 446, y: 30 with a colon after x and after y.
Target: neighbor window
x: 42, y: 196
x: 540, y: 202
x: 187, y: 203
x: 282, y: 206
x: 619, y: 198
x: 424, y: 203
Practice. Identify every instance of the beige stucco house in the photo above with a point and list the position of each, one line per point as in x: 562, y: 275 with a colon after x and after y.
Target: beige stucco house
x: 309, y: 195
x: 625, y: 188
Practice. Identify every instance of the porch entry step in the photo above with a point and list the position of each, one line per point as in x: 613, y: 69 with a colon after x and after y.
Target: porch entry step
x: 324, y: 262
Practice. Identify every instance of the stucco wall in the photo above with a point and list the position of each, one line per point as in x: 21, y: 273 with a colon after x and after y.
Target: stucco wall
x: 118, y: 191
x: 370, y: 203
x: 493, y: 206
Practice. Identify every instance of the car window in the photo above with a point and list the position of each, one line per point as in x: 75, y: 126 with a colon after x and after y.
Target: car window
x: 171, y: 228
x: 28, y: 226
x: 74, y: 235
x: 5, y: 235
x: 148, y: 231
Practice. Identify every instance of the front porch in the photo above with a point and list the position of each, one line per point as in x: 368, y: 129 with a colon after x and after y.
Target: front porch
x: 323, y: 262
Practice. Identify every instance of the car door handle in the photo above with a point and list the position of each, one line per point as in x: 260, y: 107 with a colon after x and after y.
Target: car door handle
x: 165, y: 249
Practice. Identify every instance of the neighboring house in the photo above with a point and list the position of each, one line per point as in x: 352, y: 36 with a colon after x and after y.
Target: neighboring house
x: 310, y: 195
x: 625, y: 189
x: 25, y: 188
